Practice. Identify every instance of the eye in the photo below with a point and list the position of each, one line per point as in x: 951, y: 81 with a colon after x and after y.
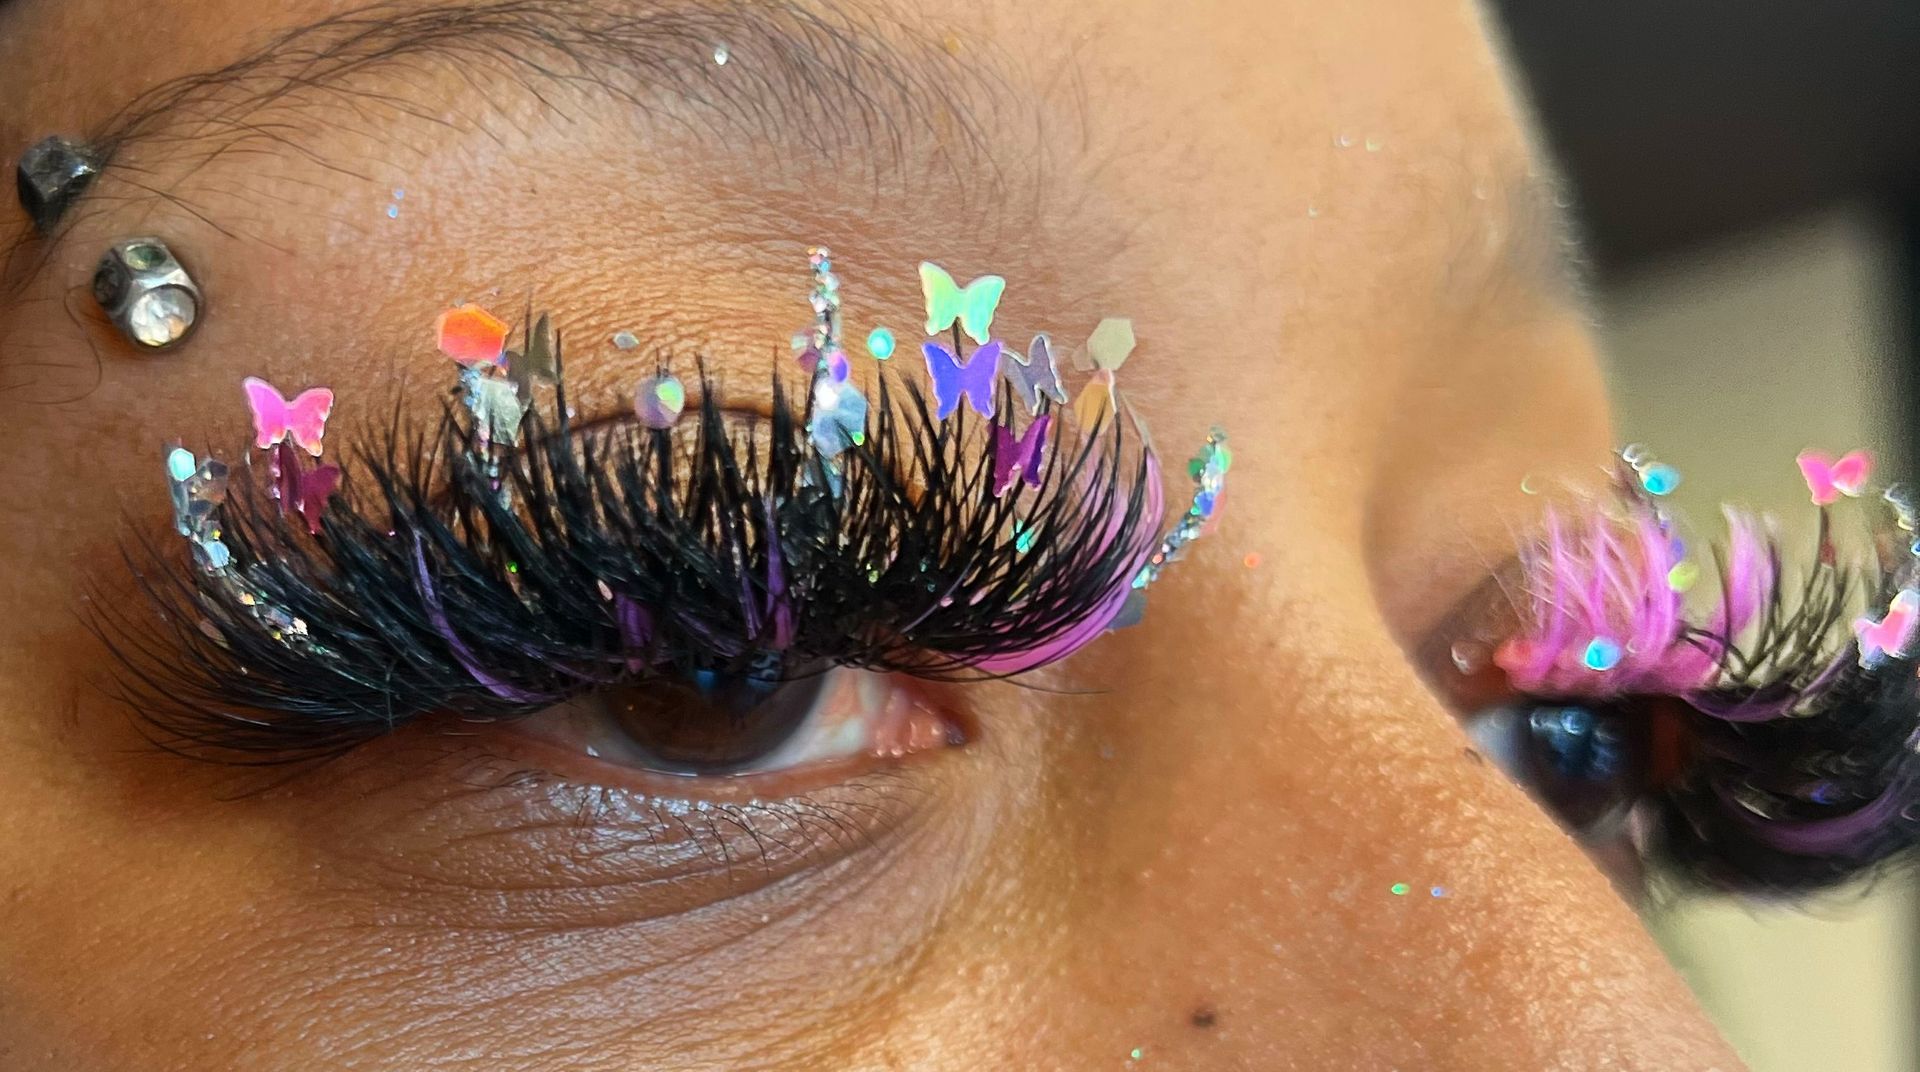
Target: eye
x: 715, y: 724
x: 1586, y: 762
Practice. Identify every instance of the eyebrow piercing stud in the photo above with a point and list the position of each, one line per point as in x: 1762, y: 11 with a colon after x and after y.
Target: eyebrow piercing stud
x: 147, y: 294
x: 50, y: 176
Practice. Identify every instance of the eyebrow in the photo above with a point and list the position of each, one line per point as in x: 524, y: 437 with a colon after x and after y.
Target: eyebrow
x: 834, y: 81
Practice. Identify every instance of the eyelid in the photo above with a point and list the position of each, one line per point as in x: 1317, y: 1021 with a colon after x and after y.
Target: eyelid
x: 1455, y: 657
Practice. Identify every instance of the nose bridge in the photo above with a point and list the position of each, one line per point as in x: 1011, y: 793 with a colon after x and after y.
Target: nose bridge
x: 1353, y: 887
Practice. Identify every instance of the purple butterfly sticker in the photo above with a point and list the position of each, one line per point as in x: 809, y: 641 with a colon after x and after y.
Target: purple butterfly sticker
x: 1035, y: 374
x: 302, y: 490
x: 1019, y: 458
x: 973, y: 381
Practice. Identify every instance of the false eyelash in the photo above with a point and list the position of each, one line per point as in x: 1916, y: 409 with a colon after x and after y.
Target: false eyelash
x: 445, y: 580
x: 1799, y: 770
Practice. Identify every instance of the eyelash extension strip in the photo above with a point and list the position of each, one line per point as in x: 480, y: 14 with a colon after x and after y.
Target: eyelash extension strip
x: 503, y: 559
x: 1798, y: 700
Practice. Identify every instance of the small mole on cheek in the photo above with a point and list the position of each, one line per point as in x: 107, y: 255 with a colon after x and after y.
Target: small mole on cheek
x: 1204, y: 1017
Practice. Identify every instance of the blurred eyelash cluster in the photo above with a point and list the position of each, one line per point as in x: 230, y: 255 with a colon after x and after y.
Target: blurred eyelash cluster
x: 1775, y: 718
x: 505, y: 558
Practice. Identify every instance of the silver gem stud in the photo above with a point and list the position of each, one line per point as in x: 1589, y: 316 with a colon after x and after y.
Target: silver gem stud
x: 51, y: 174
x: 146, y: 293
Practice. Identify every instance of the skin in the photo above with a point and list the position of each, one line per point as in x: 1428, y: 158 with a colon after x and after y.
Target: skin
x: 1326, y: 224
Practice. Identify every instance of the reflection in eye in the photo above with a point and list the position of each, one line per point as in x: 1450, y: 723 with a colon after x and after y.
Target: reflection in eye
x: 1585, y: 762
x: 714, y: 724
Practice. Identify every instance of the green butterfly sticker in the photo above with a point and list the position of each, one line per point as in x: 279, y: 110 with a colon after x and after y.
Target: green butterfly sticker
x: 972, y: 305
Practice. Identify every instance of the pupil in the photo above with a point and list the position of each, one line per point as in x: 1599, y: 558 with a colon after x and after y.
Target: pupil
x: 712, y: 722
x: 1576, y: 744
x: 1584, y: 761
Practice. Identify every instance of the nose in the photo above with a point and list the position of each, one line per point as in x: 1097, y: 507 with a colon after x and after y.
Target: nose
x: 1305, y: 865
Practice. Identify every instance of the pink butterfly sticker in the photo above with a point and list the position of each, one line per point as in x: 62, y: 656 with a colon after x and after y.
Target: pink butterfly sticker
x: 1892, y: 635
x: 274, y: 418
x: 1828, y: 479
x: 1019, y: 458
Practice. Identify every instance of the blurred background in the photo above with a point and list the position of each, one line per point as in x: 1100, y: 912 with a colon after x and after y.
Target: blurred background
x: 1747, y: 175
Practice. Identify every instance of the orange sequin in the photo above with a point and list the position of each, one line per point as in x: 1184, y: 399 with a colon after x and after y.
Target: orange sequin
x: 471, y: 335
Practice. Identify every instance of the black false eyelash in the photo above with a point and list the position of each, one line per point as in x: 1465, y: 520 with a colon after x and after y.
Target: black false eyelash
x: 1741, y: 817
x: 1823, y: 789
x: 450, y: 579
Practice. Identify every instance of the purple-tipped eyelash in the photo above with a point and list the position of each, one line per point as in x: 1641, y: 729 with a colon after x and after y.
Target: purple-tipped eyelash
x: 508, y: 560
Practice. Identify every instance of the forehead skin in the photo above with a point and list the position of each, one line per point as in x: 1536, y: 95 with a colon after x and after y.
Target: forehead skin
x: 1321, y: 218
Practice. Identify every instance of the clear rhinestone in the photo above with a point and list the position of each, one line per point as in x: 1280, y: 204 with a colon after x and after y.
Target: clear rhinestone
x: 161, y: 317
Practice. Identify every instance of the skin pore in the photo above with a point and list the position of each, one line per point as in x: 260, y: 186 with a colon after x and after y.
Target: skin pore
x: 1326, y: 223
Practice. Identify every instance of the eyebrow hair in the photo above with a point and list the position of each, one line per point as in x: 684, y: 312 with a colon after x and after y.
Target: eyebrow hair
x: 817, y: 80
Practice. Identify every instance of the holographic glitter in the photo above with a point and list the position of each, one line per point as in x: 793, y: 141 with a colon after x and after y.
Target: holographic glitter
x: 1110, y: 344
x: 1094, y: 406
x: 1659, y: 479
x: 1208, y: 468
x: 658, y: 400
x: 471, y: 335
x: 625, y: 340
x: 1892, y: 635
x: 1829, y: 478
x: 880, y: 343
x: 972, y: 305
x: 1399, y: 889
x: 838, y: 417
x: 1683, y: 576
x: 1602, y: 654
x: 198, y: 489
x: 956, y: 377
x: 1035, y: 375
x: 496, y: 404
x: 303, y: 420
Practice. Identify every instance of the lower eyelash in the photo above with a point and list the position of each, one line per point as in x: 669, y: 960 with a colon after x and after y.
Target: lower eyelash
x: 1799, y: 767
x: 440, y: 582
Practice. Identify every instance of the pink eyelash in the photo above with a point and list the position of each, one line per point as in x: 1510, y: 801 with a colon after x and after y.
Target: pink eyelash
x: 1605, y: 585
